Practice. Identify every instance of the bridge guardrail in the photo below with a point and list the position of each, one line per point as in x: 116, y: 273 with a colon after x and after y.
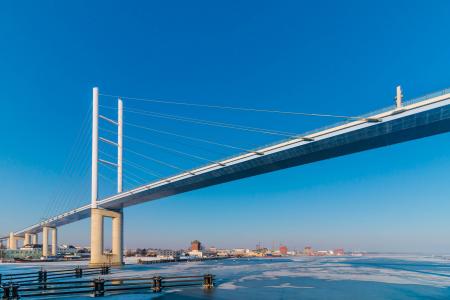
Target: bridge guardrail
x: 365, y: 115
x: 43, y: 276
x: 99, y: 287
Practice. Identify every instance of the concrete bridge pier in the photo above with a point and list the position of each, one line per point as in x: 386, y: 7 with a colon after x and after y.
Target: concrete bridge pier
x: 54, y: 241
x: 27, y: 239
x: 45, y: 241
x: 34, y: 238
x: 12, y: 241
x: 98, y: 257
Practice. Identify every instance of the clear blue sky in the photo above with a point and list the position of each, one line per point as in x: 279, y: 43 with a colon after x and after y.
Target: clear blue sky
x: 321, y: 56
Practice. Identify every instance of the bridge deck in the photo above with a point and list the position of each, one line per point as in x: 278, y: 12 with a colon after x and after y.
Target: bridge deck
x: 427, y: 116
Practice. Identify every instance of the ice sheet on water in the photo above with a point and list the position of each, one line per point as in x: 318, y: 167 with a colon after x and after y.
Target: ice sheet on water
x: 310, y: 275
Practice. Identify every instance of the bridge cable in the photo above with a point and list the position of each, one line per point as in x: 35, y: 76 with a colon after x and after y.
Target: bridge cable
x: 81, y: 202
x: 76, y: 195
x: 194, y: 138
x: 144, y: 181
x: 166, y: 148
x: 157, y: 161
x: 131, y: 183
x: 135, y: 165
x: 79, y: 169
x: 207, y: 122
x: 56, y: 198
x: 248, y: 109
x: 141, y: 180
x: 190, y: 145
x: 66, y: 201
x: 112, y: 181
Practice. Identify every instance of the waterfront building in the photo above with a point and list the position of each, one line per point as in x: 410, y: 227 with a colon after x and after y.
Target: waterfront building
x: 196, y: 253
x: 152, y: 253
x: 339, y: 252
x: 32, y: 247
x: 261, y: 251
x: 323, y: 253
x: 308, y: 251
x: 68, y: 249
x: 224, y: 252
x: 239, y: 251
x: 168, y: 253
x: 196, y: 245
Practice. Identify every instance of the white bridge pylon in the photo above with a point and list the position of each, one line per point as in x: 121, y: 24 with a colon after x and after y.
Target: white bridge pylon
x: 98, y: 214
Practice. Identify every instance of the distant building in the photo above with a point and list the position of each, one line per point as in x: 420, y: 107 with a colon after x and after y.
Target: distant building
x: 261, y: 251
x: 196, y: 246
x: 168, y: 253
x: 83, y: 249
x: 32, y: 247
x: 308, y: 251
x: 224, y: 252
x: 339, y: 252
x: 239, y: 251
x: 129, y: 252
x: 152, y: 253
x: 68, y: 249
x: 195, y: 253
x: 323, y: 253
x: 283, y: 250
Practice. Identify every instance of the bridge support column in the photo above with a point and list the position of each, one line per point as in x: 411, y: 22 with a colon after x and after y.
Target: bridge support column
x: 45, y: 241
x: 34, y: 238
x: 117, y: 238
x: 54, y: 241
x: 12, y: 241
x: 97, y: 237
x: 27, y: 239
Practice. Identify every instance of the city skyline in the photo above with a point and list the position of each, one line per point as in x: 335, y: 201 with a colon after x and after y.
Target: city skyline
x: 389, y: 199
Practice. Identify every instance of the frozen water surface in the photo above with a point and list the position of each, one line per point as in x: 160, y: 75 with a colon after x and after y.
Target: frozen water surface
x: 369, y: 277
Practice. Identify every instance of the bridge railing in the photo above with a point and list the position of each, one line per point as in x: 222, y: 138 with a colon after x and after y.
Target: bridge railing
x: 100, y: 287
x: 43, y: 276
x: 366, y: 115
x: 427, y: 96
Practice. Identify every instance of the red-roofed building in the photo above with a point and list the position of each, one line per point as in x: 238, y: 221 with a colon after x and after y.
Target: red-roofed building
x: 283, y: 250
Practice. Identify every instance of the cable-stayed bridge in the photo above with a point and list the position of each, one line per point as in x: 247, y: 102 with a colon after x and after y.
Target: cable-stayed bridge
x: 414, y: 119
